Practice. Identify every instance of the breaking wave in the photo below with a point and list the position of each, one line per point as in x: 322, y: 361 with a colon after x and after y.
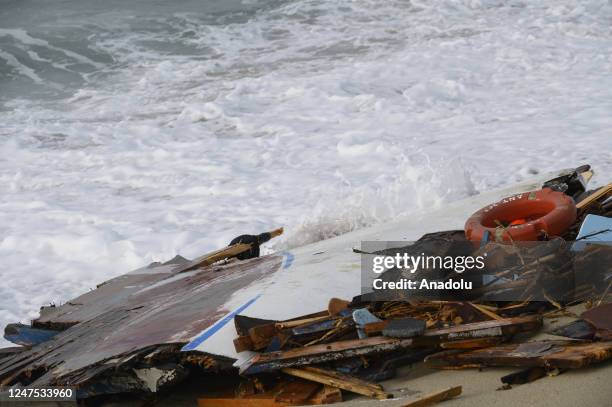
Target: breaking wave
x: 132, y: 131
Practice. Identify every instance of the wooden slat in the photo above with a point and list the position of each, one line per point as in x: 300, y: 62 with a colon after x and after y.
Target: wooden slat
x: 327, y: 395
x: 340, y: 381
x: 297, y: 392
x: 436, y: 397
x: 243, y: 343
x: 485, y: 311
x: 300, y: 322
x: 472, y: 343
x: 553, y: 354
x: 321, y: 353
x: 591, y: 199
x: 213, y: 257
x: 254, y: 401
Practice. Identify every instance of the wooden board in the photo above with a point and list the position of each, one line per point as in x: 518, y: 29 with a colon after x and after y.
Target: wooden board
x: 433, y: 398
x: 339, y: 380
x: 271, y: 361
x: 551, y: 354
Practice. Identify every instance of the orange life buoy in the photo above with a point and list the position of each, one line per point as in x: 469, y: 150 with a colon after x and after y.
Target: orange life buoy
x: 525, y: 217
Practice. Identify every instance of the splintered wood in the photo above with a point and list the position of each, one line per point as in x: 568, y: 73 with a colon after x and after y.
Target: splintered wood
x: 287, y: 393
x: 550, y: 354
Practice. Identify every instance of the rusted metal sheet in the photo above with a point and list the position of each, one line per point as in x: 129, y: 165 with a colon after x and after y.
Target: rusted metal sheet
x: 170, y: 309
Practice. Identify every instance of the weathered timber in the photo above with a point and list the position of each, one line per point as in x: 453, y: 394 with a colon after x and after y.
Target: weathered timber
x: 550, y: 354
x: 524, y: 376
x: 436, y: 397
x: 321, y: 353
x: 339, y: 380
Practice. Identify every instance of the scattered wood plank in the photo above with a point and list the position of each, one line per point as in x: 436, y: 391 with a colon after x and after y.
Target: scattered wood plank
x: 487, y: 312
x: 472, y: 343
x: 524, y: 376
x: 243, y: 343
x: 297, y: 392
x: 486, y: 329
x: 594, y: 197
x: 436, y: 397
x: 252, y: 401
x: 321, y: 353
x: 549, y: 354
x: 300, y: 322
x: 339, y: 380
x: 375, y: 327
x: 262, y: 335
x: 337, y: 305
x: 213, y: 257
x: 327, y: 395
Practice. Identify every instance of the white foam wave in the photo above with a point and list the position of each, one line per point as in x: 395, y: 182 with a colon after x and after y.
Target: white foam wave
x: 319, y: 116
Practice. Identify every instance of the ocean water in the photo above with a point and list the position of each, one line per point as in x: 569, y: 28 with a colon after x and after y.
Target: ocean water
x: 134, y: 130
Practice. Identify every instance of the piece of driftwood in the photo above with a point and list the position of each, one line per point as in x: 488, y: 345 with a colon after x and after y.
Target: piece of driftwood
x: 339, y: 380
x: 321, y: 353
x: 549, y: 354
x: 433, y: 398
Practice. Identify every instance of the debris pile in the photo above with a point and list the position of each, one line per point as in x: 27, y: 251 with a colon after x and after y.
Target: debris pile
x: 353, y: 345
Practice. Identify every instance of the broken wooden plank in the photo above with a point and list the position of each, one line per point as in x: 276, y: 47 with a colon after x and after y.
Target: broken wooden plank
x: 297, y: 392
x: 524, y: 376
x: 213, y: 257
x: 243, y: 343
x: 337, y: 305
x: 404, y: 328
x: 478, y: 343
x: 375, y: 327
x: 601, y: 318
x: 252, y: 401
x: 300, y: 322
x: 436, y: 397
x: 321, y: 353
x: 327, y: 395
x: 550, y: 354
x: 486, y: 311
x: 484, y: 329
x: 339, y: 380
x: 594, y: 197
x: 578, y: 329
x: 262, y: 335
